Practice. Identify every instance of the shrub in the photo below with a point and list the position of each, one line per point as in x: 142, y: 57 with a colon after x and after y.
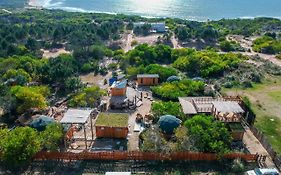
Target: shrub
x: 86, y: 68
x: 166, y: 108
x: 89, y: 97
x: 173, y: 90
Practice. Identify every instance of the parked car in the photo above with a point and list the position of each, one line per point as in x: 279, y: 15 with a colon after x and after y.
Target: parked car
x: 263, y: 171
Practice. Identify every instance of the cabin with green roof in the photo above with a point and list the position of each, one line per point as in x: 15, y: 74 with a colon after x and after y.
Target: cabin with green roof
x: 112, y: 125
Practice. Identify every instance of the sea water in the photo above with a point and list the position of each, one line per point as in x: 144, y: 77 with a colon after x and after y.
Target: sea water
x: 200, y: 10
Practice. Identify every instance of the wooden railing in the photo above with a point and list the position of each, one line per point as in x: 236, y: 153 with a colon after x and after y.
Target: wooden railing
x: 138, y: 155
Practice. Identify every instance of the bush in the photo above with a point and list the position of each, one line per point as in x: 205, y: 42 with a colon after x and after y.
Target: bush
x: 183, y: 88
x: 166, y: 108
x: 208, y: 135
x: 19, y: 145
x: 86, y: 68
x: 30, y: 97
x: 89, y: 97
x: 134, y: 43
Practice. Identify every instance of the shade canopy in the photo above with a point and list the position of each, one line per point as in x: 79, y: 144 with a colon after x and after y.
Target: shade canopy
x: 41, y: 122
x: 168, y: 123
x: 76, y: 116
x: 227, y: 106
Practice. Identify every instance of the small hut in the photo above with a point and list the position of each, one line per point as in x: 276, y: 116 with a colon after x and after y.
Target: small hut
x: 147, y: 79
x: 112, y: 125
x: 119, y: 88
x: 168, y: 123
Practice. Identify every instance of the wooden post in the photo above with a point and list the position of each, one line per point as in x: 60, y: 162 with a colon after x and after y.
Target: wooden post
x: 92, y: 128
x: 85, y: 135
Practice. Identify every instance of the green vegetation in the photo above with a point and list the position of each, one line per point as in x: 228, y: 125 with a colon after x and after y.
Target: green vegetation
x: 51, y: 137
x: 183, y: 88
x: 112, y: 120
x: 30, y: 97
x: 205, y: 63
x: 228, y: 46
x: 267, y: 44
x: 163, y: 71
x: 208, y: 135
x: 19, y: 145
x: 200, y: 133
x: 166, y: 108
x: 88, y: 97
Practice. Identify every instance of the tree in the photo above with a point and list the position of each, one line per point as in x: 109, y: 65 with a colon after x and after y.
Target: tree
x: 73, y: 84
x: 226, y: 46
x: 208, y: 135
x: 19, y: 145
x: 163, y: 72
x: 60, y: 68
x: 20, y: 76
x: 89, y: 97
x: 166, y: 108
x: 30, y: 97
x: 52, y: 136
x: 173, y: 90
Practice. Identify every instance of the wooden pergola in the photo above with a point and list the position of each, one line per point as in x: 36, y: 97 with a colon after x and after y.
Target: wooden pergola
x: 80, y: 117
x: 227, y: 111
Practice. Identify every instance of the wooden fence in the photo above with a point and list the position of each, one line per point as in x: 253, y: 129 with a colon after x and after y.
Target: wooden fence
x: 137, y: 155
x: 259, y: 135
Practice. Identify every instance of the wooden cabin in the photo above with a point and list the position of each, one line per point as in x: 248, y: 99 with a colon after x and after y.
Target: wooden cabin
x: 119, y: 88
x: 112, y: 125
x: 148, y: 79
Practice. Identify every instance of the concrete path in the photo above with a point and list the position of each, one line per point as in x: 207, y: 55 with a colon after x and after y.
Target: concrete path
x: 133, y: 141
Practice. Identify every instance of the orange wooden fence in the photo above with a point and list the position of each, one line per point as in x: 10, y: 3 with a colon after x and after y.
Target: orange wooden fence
x: 137, y: 155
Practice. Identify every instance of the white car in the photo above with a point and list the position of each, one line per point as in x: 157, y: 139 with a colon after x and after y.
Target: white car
x: 263, y: 171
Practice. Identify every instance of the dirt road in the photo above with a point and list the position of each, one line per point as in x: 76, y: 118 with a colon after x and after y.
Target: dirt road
x: 247, y: 44
x: 129, y: 39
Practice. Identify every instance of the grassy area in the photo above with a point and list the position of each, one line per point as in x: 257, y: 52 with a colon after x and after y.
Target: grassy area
x: 112, y: 119
x: 266, y: 103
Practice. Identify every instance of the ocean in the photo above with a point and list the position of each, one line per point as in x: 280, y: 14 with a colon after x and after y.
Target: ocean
x: 200, y: 10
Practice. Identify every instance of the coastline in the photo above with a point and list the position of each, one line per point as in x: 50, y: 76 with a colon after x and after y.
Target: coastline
x: 32, y: 4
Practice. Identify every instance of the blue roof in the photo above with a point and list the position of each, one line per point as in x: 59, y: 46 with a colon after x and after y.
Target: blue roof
x: 119, y: 84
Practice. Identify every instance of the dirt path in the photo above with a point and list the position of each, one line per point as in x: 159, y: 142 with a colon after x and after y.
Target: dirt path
x: 254, y: 146
x: 247, y: 44
x: 175, y: 42
x: 128, y: 42
x: 54, y: 53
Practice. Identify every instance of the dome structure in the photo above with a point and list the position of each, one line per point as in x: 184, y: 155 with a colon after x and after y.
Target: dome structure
x: 168, y: 123
x: 173, y: 78
x: 41, y: 122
